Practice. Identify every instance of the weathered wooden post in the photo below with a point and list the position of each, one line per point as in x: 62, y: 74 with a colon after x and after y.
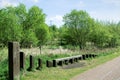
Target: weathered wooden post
x: 87, y: 55
x: 60, y: 63
x: 54, y: 63
x: 66, y: 61
x: 22, y: 60
x: 83, y: 57
x: 31, y: 63
x: 71, y: 60
x: 77, y: 59
x: 49, y: 63
x: 13, y: 60
x: 80, y: 58
x: 39, y: 64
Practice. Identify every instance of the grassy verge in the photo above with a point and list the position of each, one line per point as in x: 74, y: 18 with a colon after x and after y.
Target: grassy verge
x: 67, y: 74
x: 3, y: 64
x: 54, y: 73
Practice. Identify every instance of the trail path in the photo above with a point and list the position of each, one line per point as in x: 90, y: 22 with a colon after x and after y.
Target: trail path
x: 106, y: 71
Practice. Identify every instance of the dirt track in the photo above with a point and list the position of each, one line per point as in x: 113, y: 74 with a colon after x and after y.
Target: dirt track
x: 107, y: 71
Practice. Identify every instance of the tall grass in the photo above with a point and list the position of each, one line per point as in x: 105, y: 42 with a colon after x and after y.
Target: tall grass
x: 3, y: 54
x: 3, y: 64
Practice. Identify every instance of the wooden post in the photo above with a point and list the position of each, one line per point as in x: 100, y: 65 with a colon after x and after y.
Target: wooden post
x: 71, y: 60
x: 39, y: 64
x: 54, y: 63
x: 60, y: 63
x: 49, y: 63
x: 31, y: 63
x: 13, y: 60
x: 22, y: 60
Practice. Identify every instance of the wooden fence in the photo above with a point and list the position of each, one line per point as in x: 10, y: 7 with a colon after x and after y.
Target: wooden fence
x: 17, y: 61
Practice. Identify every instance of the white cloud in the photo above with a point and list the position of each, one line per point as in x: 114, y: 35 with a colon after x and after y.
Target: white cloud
x: 57, y: 20
x: 5, y: 3
x: 35, y: 1
x: 113, y: 2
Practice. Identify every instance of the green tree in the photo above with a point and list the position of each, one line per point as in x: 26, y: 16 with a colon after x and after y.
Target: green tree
x: 29, y: 39
x: 54, y: 33
x: 21, y: 13
x: 35, y: 17
x: 114, y: 29
x: 42, y: 34
x: 103, y: 35
x: 62, y: 35
x: 78, y: 23
x: 35, y: 20
x: 9, y: 26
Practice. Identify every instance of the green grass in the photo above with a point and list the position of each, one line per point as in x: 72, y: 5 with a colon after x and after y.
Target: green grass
x: 3, y: 54
x: 54, y: 73
x: 67, y: 74
x: 4, y: 70
x: 3, y: 64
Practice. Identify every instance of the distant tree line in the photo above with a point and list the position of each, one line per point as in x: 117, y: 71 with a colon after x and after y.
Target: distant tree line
x: 82, y: 29
x: 28, y: 27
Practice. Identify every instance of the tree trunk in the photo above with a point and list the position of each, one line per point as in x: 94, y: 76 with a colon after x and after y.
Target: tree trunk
x: 80, y: 47
x: 40, y: 47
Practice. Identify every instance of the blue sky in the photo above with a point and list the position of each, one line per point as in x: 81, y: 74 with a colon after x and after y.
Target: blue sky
x: 106, y: 10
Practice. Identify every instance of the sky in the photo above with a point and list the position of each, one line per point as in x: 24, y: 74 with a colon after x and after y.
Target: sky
x: 105, y: 10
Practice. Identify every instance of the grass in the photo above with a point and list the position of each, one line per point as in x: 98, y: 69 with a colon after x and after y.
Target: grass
x: 3, y: 64
x: 54, y: 73
x: 3, y: 54
x: 66, y: 74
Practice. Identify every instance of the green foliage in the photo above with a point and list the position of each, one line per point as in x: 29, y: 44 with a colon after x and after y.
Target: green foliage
x: 42, y: 33
x: 10, y: 30
x: 35, y: 17
x: 80, y: 29
x: 54, y: 35
x: 28, y: 28
x: 29, y: 39
x: 78, y: 23
x: 104, y: 34
x: 54, y: 31
x: 100, y: 35
x: 4, y: 70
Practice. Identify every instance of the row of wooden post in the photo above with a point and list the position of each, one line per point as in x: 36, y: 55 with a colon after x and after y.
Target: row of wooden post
x: 16, y: 61
x: 31, y: 67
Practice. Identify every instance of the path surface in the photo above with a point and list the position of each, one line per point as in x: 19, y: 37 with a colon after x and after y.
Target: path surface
x: 107, y: 71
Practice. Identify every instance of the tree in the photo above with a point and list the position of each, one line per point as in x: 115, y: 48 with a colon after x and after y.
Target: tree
x: 62, y: 35
x: 42, y: 34
x: 114, y: 29
x: 21, y: 13
x: 54, y: 33
x: 78, y: 23
x: 9, y: 27
x: 35, y: 22
x: 29, y: 39
x: 104, y: 34
x: 35, y: 17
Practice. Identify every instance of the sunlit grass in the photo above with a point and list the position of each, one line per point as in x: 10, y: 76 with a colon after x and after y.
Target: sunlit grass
x: 54, y: 73
x: 66, y: 74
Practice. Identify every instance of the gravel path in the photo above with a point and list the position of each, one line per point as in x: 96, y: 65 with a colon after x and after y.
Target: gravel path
x: 107, y: 71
